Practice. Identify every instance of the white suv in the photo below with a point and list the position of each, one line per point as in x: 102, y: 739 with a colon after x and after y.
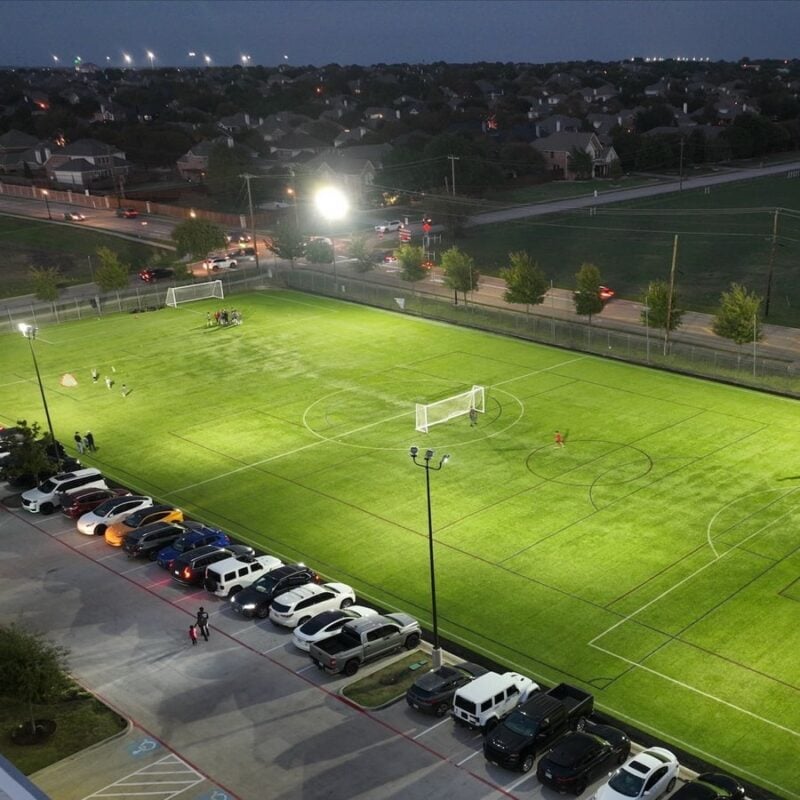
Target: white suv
x: 389, y: 226
x: 482, y: 702
x: 293, y: 608
x: 227, y: 577
x: 45, y: 497
x: 220, y: 262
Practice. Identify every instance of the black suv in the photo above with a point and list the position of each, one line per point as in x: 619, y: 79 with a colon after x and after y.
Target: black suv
x: 433, y: 692
x: 255, y: 600
x: 149, y: 539
x: 190, y: 568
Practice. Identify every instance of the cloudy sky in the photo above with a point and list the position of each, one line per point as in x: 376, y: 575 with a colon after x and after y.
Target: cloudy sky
x: 372, y: 31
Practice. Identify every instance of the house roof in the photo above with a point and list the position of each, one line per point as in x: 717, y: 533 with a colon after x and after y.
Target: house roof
x: 89, y: 147
x: 16, y: 139
x: 77, y: 165
x: 564, y: 141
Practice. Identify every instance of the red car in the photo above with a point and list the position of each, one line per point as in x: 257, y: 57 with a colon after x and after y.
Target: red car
x: 127, y: 213
x: 76, y: 504
x: 605, y: 293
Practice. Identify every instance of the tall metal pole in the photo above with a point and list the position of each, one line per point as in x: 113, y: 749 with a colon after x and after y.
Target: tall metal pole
x: 47, y: 204
x: 453, y: 160
x: 671, y: 290
x: 755, y: 341
x: 647, y: 330
x: 771, y: 262
x: 680, y: 184
x: 431, y: 558
x: 29, y: 332
x: 252, y: 220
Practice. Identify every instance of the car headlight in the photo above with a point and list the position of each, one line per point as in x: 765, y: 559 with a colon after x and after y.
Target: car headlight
x: 249, y: 606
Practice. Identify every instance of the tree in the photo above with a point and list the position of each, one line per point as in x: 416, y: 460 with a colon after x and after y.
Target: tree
x: 287, y: 241
x: 460, y: 273
x: 525, y: 281
x: 411, y: 258
x: 27, y: 452
x: 112, y: 274
x: 361, y: 252
x: 31, y: 669
x: 197, y: 238
x: 580, y: 162
x: 737, y: 317
x: 587, y: 298
x: 318, y: 251
x: 448, y: 212
x: 45, y: 282
x: 660, y: 312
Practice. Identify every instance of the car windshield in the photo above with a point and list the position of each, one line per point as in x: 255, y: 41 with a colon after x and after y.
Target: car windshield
x: 267, y: 584
x: 322, y: 621
x: 521, y: 724
x: 47, y: 487
x: 627, y: 783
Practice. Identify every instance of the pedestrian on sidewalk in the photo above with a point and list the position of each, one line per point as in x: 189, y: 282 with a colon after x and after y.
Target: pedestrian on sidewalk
x: 193, y: 633
x: 78, y: 442
x: 202, y: 622
x: 89, y: 439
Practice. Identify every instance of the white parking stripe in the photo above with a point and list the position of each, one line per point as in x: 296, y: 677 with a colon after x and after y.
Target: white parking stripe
x: 432, y: 728
x: 305, y: 669
x: 145, y: 782
x: 464, y: 760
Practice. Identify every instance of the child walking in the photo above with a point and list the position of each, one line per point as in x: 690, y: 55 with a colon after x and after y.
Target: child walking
x: 193, y: 634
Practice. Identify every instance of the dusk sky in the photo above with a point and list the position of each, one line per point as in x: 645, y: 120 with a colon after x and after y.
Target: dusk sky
x: 303, y: 32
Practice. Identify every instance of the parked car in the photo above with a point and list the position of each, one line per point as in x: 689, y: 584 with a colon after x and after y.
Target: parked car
x: 710, y: 786
x: 580, y: 757
x: 482, y: 703
x: 388, y: 226
x: 74, y: 216
x: 127, y: 213
x: 195, y: 535
x: 255, y: 600
x: 76, y: 504
x: 190, y: 568
x: 47, y: 495
x: 363, y: 640
x: 115, y: 534
x: 299, y: 605
x: 226, y: 578
x: 153, y: 274
x: 432, y: 693
x: 149, y: 539
x: 96, y: 521
x: 327, y: 624
x: 535, y: 724
x: 651, y: 773
x: 214, y: 263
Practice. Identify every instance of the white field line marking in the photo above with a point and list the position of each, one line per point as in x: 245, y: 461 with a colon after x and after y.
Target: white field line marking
x: 538, y: 371
x: 432, y: 728
x: 125, y: 781
x: 464, y: 760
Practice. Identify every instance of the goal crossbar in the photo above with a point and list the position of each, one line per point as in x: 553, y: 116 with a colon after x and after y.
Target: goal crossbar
x: 195, y: 291
x: 429, y: 414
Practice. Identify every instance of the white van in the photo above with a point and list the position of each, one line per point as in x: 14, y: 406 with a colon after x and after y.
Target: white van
x: 227, y: 577
x: 482, y: 702
x: 45, y: 497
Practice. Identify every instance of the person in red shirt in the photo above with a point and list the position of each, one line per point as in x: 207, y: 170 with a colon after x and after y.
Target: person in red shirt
x: 559, y: 439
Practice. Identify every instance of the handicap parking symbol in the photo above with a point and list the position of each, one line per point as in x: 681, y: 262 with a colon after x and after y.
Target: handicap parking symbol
x: 217, y: 794
x: 142, y: 747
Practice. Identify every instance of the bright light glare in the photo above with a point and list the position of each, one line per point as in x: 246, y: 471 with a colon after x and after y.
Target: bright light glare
x: 331, y: 203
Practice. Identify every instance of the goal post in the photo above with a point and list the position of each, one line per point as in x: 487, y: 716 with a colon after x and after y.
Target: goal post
x: 195, y: 291
x: 430, y: 414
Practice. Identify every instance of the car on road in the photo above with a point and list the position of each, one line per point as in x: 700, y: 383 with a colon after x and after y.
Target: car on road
x: 190, y: 568
x: 127, y: 213
x: 650, y: 774
x: 711, y: 786
x: 95, y: 522
x: 582, y: 756
x: 432, y: 693
x: 76, y: 504
x: 298, y: 606
x: 605, y: 293
x: 255, y: 600
x: 214, y: 263
x: 74, y: 216
x: 238, y: 237
x: 153, y: 274
x: 327, y: 623
x: 388, y: 226
x: 115, y: 534
x: 46, y: 497
x: 196, y: 534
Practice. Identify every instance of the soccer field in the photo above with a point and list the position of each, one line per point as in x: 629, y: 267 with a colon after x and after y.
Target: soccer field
x: 653, y: 559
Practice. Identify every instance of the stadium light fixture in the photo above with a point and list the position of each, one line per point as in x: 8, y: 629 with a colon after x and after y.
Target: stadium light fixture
x: 29, y: 332
x: 333, y: 205
x: 426, y: 465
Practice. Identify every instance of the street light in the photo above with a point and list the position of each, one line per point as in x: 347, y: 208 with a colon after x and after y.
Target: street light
x: 151, y: 55
x: 426, y: 465
x: 333, y: 205
x: 291, y: 192
x: 245, y: 60
x: 29, y: 332
x: 127, y: 59
x: 207, y: 59
x: 45, y: 193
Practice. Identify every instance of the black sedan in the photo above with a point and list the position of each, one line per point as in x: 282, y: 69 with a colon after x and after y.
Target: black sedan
x: 711, y: 786
x: 433, y: 692
x: 255, y: 600
x: 153, y: 274
x: 582, y: 756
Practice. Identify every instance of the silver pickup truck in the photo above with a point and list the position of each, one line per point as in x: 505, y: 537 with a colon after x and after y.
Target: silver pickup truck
x: 365, y: 640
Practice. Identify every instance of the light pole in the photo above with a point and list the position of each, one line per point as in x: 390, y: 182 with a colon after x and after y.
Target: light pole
x: 207, y: 59
x: 332, y: 204
x: 152, y: 56
x: 291, y: 192
x: 45, y: 193
x: 647, y: 330
x: 426, y: 465
x: 29, y: 332
x: 127, y: 59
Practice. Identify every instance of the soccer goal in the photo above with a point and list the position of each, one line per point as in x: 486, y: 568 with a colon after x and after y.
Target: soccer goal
x: 456, y: 406
x: 197, y: 291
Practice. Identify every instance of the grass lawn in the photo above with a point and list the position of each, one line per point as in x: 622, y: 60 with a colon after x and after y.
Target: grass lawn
x: 724, y: 236
x: 652, y: 560
x: 388, y: 683
x: 29, y: 244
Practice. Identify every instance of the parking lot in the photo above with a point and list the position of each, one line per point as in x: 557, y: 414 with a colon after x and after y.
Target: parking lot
x: 244, y: 707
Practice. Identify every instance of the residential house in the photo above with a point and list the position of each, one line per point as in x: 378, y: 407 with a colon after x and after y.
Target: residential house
x: 18, y: 149
x: 556, y: 123
x: 295, y: 147
x: 193, y: 165
x: 236, y: 123
x: 375, y: 116
x: 350, y: 136
x: 352, y: 168
x: 557, y: 150
x: 87, y: 162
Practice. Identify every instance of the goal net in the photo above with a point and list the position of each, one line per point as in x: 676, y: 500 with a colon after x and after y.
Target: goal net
x: 456, y: 406
x: 197, y: 291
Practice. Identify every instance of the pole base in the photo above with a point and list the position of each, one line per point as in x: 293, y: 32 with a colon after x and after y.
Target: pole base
x: 436, y: 657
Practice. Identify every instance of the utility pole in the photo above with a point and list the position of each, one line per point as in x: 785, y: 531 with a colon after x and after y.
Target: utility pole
x: 680, y: 171
x: 671, y: 290
x: 247, y: 178
x: 771, y: 262
x: 453, y: 160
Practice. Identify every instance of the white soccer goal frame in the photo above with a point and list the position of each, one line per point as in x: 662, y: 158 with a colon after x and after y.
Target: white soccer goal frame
x: 196, y: 291
x: 430, y: 414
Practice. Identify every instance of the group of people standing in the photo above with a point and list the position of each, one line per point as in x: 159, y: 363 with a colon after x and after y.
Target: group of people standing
x: 223, y: 317
x: 85, y: 444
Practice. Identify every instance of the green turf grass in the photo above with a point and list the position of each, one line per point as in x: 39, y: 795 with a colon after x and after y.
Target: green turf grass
x: 653, y: 559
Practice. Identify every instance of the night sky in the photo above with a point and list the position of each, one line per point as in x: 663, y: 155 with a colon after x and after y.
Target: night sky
x: 303, y: 32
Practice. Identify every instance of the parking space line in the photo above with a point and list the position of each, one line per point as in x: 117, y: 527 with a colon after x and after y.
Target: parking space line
x: 83, y: 544
x: 305, y: 669
x: 432, y: 728
x: 277, y: 647
x: 464, y: 760
x: 136, y: 784
x: 110, y: 555
x: 520, y: 781
x: 133, y: 569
